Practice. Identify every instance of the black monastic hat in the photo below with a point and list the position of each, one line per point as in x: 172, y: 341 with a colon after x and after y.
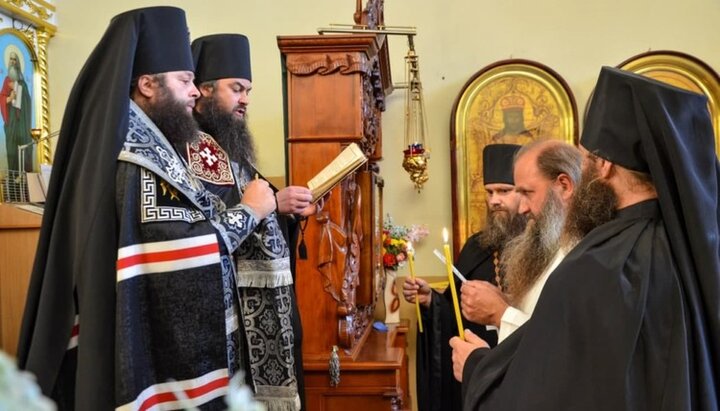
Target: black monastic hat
x: 645, y: 125
x: 158, y: 49
x: 625, y: 106
x: 221, y: 56
x: 498, y: 163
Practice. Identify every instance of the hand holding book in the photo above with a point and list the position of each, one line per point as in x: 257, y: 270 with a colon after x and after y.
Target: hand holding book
x: 349, y: 160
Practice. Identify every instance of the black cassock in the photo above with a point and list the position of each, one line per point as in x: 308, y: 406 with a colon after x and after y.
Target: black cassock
x: 437, y: 389
x: 610, y: 331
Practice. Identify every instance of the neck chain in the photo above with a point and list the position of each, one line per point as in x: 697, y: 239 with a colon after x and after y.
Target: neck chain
x: 496, y: 264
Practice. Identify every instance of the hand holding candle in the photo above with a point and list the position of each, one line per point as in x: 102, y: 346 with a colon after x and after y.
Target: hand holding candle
x: 451, y: 284
x: 411, y: 263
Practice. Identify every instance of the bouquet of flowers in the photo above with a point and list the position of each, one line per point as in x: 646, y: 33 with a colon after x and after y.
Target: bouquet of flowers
x: 395, y: 240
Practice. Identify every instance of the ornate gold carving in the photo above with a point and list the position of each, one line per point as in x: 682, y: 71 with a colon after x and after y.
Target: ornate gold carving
x: 416, y: 165
x: 44, y: 150
x: 34, y: 12
x: 37, y: 8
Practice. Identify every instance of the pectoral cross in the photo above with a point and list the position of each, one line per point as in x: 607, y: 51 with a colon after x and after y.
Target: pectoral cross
x: 496, y: 264
x: 208, y: 156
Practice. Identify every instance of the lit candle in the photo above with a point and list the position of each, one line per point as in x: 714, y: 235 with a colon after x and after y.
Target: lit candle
x: 411, y: 263
x: 451, y: 284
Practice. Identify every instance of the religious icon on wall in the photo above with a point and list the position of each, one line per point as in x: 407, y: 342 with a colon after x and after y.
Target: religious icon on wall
x: 16, y: 102
x: 25, y: 30
x: 684, y: 71
x: 512, y: 102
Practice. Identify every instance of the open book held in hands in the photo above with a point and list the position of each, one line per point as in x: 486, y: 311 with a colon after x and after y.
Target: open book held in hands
x: 345, y: 163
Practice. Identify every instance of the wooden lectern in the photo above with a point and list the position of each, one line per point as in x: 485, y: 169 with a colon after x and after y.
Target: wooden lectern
x: 19, y: 232
x: 335, y: 88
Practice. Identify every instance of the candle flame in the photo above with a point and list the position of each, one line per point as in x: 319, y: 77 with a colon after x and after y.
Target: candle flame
x: 409, y: 247
x: 445, y: 235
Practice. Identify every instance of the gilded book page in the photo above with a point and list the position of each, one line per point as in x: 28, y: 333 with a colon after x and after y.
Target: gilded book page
x: 349, y: 160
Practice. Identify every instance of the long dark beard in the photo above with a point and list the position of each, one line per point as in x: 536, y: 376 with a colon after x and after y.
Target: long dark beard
x: 594, y: 204
x: 501, y: 227
x: 173, y: 120
x: 230, y: 132
x: 526, y: 256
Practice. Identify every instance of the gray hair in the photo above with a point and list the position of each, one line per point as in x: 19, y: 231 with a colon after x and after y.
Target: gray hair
x: 555, y: 158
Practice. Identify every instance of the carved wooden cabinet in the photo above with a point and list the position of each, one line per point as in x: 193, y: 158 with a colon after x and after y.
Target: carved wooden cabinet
x: 335, y: 88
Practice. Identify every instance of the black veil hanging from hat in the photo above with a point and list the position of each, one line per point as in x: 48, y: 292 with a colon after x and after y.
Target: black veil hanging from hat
x: 649, y: 126
x: 77, y: 248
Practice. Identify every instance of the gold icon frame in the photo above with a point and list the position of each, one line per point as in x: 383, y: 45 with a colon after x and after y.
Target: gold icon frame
x: 546, y: 102
x: 30, y: 21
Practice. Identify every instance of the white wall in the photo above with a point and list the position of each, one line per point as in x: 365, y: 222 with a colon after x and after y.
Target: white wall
x: 456, y: 38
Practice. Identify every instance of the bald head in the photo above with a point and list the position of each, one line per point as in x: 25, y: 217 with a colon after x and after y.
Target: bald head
x: 553, y: 158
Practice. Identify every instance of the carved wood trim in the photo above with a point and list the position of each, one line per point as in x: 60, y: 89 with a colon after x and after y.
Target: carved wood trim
x: 303, y: 65
x: 352, y: 43
x: 373, y: 105
x: 332, y: 244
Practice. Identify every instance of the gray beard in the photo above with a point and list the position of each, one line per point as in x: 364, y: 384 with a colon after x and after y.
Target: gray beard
x: 14, y: 74
x: 526, y: 256
x: 230, y: 132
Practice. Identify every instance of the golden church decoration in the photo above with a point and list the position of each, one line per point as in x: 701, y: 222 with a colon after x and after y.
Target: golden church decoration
x: 43, y: 10
x: 26, y: 27
x: 511, y: 101
x: 416, y: 155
